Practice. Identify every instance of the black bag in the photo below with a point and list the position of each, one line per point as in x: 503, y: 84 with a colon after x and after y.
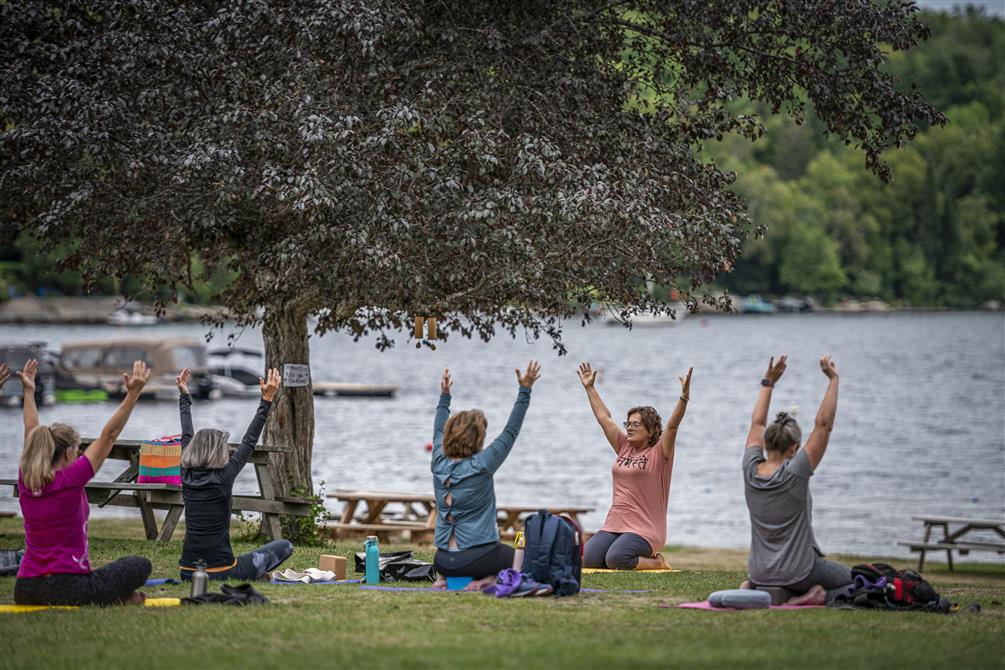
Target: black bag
x: 881, y: 586
x: 553, y: 552
x: 399, y: 566
x: 10, y: 561
x: 242, y: 594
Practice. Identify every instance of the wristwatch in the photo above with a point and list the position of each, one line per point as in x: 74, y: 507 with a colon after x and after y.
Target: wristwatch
x: 766, y: 382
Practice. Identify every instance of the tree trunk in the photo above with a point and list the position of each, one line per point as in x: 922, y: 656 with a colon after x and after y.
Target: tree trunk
x: 291, y: 421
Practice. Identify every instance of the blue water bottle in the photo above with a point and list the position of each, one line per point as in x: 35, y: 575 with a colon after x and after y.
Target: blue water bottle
x: 372, y: 560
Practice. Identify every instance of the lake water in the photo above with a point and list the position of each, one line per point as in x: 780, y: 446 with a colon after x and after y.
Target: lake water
x: 920, y: 425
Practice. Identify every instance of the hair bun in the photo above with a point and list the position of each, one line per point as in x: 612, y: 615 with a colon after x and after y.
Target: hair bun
x: 783, y: 418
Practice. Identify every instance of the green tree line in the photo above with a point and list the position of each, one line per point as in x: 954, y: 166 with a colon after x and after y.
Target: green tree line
x: 935, y: 235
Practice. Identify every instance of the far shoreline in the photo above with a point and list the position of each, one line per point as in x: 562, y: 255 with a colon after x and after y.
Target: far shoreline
x: 98, y: 310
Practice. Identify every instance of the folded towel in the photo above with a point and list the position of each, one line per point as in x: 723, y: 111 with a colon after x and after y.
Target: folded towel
x: 308, y: 576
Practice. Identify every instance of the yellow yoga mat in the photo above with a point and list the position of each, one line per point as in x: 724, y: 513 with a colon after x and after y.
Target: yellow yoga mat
x: 21, y: 609
x: 590, y: 571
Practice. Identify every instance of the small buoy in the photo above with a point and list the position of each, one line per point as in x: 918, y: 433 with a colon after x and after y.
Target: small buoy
x: 418, y: 345
x: 429, y: 446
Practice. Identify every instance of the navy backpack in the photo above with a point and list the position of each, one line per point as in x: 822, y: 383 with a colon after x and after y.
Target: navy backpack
x: 553, y: 551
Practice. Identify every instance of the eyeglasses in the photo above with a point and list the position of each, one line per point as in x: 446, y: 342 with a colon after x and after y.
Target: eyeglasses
x: 632, y: 424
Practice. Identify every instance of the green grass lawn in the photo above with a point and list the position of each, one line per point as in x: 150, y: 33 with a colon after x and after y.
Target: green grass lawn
x: 344, y: 627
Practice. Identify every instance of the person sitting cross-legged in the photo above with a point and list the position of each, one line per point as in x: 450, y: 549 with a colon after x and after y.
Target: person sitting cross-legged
x: 783, y: 551
x: 636, y: 525
x: 208, y: 471
x: 51, y: 480
x: 467, y: 535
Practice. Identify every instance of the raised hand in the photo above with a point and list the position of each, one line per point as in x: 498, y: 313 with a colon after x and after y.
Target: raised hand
x: 685, y: 386
x: 271, y: 386
x: 527, y: 379
x: 446, y: 382
x: 181, y: 381
x: 135, y: 382
x: 27, y: 375
x: 829, y: 367
x: 587, y: 375
x: 4, y: 374
x: 775, y: 370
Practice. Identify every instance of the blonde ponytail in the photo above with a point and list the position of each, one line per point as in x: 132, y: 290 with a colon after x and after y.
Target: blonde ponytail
x: 45, y: 447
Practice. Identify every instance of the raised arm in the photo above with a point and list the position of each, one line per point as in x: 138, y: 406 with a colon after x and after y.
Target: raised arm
x: 185, y: 406
x: 816, y: 445
x: 98, y: 451
x: 4, y: 374
x: 442, y: 412
x: 759, y: 421
x: 588, y: 376
x: 30, y: 411
x: 669, y: 439
x: 243, y: 452
x: 494, y: 455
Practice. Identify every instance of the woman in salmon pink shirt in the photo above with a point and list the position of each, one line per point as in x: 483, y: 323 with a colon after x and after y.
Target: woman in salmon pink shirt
x: 52, y: 474
x: 636, y: 525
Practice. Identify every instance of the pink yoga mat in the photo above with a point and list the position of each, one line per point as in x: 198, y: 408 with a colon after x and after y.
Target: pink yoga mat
x: 703, y: 605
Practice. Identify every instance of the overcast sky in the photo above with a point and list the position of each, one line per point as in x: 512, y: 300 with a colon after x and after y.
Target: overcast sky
x: 991, y: 7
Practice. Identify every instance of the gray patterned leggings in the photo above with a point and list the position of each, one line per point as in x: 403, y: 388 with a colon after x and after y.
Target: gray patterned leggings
x: 108, y: 585
x: 254, y: 564
x: 617, y: 551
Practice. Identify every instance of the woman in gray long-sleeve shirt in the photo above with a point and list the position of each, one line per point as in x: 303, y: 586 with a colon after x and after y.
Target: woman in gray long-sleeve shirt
x: 467, y: 538
x: 783, y: 551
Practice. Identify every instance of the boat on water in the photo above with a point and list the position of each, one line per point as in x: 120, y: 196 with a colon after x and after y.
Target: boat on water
x: 15, y: 356
x: 755, y: 304
x: 233, y: 371
x: 126, y: 318
x: 611, y: 318
x: 98, y: 365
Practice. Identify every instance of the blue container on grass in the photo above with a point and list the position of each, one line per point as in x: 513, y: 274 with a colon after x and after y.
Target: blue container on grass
x: 372, y: 560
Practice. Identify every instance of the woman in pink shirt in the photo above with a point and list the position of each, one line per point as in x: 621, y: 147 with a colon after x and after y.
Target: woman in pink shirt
x: 51, y: 478
x: 636, y: 525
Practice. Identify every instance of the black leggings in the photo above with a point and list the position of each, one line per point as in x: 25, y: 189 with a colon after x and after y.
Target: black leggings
x: 475, y: 562
x: 617, y: 551
x: 108, y: 585
x: 254, y: 564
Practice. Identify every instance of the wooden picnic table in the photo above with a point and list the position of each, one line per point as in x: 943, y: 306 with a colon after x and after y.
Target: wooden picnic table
x: 420, y: 512
x: 511, y: 516
x: 954, y: 539
x: 124, y: 491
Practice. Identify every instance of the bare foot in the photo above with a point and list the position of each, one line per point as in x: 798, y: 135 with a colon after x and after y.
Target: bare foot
x: 440, y: 584
x: 657, y: 562
x: 135, y: 598
x: 479, y: 584
x: 815, y: 596
x: 746, y: 584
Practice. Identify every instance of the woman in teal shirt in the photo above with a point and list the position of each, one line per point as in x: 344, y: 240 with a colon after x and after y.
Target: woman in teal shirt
x: 467, y: 537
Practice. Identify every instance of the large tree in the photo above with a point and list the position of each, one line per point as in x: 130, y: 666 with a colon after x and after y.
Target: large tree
x: 366, y: 161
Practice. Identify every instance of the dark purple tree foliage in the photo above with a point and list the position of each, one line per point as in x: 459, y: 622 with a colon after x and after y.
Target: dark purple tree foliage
x: 362, y: 162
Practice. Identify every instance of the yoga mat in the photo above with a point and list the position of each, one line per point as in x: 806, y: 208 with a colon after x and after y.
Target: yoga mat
x: 703, y: 605
x: 429, y: 588
x: 334, y: 582
x: 158, y: 582
x: 22, y: 609
x: 375, y: 587
x: 591, y: 571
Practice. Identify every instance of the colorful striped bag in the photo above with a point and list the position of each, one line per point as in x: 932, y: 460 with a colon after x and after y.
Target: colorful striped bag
x: 160, y: 461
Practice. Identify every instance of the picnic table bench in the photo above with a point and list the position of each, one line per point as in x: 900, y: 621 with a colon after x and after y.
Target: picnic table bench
x: 125, y: 491
x: 953, y: 539
x: 416, y: 513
